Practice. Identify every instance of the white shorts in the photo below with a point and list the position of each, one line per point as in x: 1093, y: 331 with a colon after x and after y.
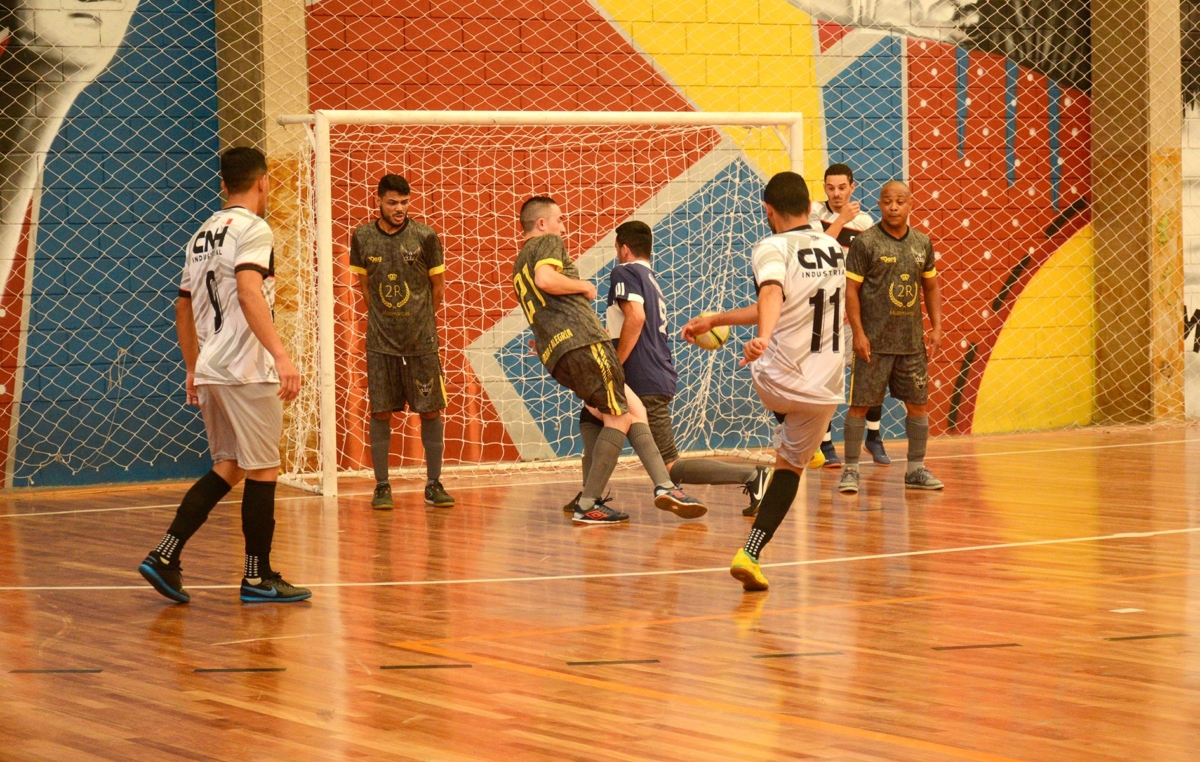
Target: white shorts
x: 802, y: 426
x: 244, y: 423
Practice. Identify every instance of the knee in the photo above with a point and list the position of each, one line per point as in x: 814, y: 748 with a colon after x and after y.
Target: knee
x: 858, y: 412
x: 917, y: 411
x: 619, y: 422
x: 431, y: 416
x: 382, y: 416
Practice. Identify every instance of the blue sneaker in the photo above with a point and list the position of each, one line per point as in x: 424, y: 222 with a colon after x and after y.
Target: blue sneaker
x: 830, y: 453
x: 878, y: 454
x: 273, y: 589
x: 166, y: 578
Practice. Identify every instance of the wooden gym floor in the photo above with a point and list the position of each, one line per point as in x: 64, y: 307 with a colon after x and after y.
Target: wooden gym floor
x: 1046, y: 606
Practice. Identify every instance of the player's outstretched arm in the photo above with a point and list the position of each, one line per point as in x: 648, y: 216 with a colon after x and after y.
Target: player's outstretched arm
x: 770, y: 305
x: 933, y: 306
x: 189, y: 344
x: 549, y: 279
x: 705, y: 323
x: 258, y: 317
x: 862, y: 345
x: 437, y: 289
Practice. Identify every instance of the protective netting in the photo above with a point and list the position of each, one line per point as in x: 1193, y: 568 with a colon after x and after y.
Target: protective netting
x: 699, y: 188
x: 1037, y: 135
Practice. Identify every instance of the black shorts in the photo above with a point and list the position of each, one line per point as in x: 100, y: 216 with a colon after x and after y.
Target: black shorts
x: 395, y: 382
x: 907, y: 376
x: 596, y: 377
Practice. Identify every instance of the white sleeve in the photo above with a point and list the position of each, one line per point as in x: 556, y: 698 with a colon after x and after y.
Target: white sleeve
x: 769, y: 264
x: 254, y: 247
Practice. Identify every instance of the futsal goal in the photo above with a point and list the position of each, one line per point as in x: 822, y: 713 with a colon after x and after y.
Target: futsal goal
x: 695, y: 178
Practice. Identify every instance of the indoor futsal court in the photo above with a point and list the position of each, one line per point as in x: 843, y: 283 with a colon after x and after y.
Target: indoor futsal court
x: 1039, y: 609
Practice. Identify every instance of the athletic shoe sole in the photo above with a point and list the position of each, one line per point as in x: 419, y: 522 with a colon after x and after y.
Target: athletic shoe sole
x: 847, y: 489
x: 440, y: 505
x: 832, y: 464
x: 924, y: 486
x: 595, y: 522
x: 383, y: 506
x: 263, y: 599
x: 749, y: 583
x: 160, y: 584
x: 683, y: 510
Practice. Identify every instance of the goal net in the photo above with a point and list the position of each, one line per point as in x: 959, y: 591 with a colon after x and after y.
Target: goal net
x: 698, y: 184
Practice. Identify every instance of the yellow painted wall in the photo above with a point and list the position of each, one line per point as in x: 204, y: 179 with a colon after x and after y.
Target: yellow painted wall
x: 735, y: 55
x: 1042, y: 371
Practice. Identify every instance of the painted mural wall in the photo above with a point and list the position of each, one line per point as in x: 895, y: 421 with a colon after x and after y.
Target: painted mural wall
x: 1190, y: 72
x: 107, y: 159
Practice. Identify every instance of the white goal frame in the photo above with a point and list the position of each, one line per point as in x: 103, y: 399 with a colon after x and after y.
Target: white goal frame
x: 323, y: 120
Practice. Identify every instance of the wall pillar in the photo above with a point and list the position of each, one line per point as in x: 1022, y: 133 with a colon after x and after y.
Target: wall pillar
x: 1137, y: 210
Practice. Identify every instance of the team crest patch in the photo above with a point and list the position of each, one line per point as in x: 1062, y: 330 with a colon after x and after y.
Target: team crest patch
x: 425, y: 388
x: 918, y: 256
x: 409, y: 256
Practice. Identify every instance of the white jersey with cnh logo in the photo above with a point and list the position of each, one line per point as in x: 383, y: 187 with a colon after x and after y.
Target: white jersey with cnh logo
x: 803, y: 361
x: 230, y: 241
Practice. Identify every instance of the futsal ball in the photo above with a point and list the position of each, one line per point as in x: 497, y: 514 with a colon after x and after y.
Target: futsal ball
x: 714, y: 339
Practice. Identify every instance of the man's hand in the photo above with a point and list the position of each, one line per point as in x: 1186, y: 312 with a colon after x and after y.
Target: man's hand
x: 289, y: 379
x: 862, y: 347
x: 193, y: 398
x: 849, y: 212
x: 752, y: 351
x: 589, y: 290
x: 933, y: 342
x: 695, y: 327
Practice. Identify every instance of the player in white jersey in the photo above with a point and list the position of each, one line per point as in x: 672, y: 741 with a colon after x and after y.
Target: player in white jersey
x: 843, y: 219
x: 796, y: 358
x: 238, y: 374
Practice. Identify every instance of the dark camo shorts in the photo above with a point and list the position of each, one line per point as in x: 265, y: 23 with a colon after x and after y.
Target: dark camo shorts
x: 394, y: 382
x: 658, y: 415
x: 907, y: 376
x: 595, y: 375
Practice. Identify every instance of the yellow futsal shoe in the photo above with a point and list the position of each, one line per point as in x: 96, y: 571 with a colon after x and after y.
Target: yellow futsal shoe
x: 817, y: 460
x: 745, y: 570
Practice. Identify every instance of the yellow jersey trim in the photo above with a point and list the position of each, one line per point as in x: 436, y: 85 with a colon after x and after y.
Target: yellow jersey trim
x: 854, y: 277
x: 437, y: 270
x: 359, y: 270
x: 931, y: 274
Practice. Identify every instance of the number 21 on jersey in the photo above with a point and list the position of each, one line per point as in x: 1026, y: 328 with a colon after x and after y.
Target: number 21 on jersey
x: 526, y: 289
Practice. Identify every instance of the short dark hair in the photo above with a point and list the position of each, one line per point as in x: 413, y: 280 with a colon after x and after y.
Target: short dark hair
x: 637, y: 236
x: 787, y: 193
x: 839, y: 169
x: 533, y: 210
x: 241, y: 167
x: 394, y: 183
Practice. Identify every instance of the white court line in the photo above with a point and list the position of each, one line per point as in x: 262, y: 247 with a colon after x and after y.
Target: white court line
x: 573, y: 479
x: 665, y: 572
x: 277, y: 637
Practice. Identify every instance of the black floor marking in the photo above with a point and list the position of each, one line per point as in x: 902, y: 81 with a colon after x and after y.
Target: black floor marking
x: 240, y: 669
x: 984, y: 645
x: 615, y: 661
x: 1151, y: 637
x: 54, y: 671
x: 427, y: 666
x: 788, y: 656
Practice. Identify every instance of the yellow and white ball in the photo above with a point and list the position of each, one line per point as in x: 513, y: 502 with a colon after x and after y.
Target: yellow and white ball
x: 714, y: 339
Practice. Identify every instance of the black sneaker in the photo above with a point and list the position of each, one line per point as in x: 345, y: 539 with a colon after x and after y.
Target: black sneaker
x: 166, y: 578
x: 756, y: 488
x: 437, y: 496
x: 273, y: 589
x: 598, y: 513
x: 382, y: 499
x: 678, y: 502
x: 573, y: 506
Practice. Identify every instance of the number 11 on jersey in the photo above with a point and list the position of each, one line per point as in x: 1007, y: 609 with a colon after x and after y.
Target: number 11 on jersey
x: 818, y: 324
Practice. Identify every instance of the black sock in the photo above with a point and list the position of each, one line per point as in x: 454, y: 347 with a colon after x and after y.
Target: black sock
x: 192, y: 513
x: 258, y: 526
x: 874, y: 416
x: 772, y: 510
